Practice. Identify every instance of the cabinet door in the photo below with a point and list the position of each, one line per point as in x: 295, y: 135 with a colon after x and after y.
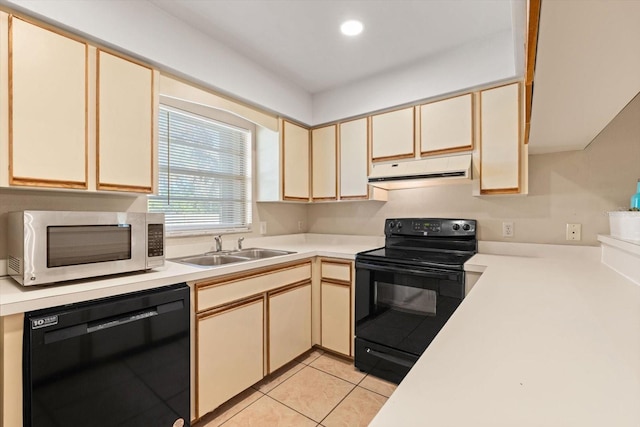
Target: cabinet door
x: 354, y: 159
x: 289, y: 324
x: 125, y: 125
x: 230, y: 352
x: 295, y: 147
x: 336, y: 317
x: 500, y: 140
x: 392, y: 135
x: 48, y: 108
x: 447, y: 126
x: 323, y: 156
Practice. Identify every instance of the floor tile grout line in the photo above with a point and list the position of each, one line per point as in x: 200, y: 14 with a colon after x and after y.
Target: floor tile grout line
x: 333, y: 375
x: 293, y: 409
x: 338, y: 404
x: 373, y: 391
x: 285, y: 380
x: 240, y: 411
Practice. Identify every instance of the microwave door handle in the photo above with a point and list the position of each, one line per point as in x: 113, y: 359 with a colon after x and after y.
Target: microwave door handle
x: 423, y: 273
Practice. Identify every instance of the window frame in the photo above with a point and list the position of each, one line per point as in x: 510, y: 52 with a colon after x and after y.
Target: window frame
x: 227, y: 119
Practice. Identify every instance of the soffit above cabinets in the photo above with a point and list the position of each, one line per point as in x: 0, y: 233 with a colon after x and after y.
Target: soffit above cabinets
x: 301, y: 41
x: 587, y: 71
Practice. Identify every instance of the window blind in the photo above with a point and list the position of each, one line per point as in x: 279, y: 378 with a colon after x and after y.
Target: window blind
x: 204, y: 173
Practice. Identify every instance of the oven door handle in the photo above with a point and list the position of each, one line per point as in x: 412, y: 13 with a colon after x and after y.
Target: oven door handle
x: 425, y: 273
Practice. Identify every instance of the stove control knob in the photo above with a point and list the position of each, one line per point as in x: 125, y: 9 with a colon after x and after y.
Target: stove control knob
x: 399, y: 225
x: 456, y: 227
x: 466, y: 227
x: 392, y: 224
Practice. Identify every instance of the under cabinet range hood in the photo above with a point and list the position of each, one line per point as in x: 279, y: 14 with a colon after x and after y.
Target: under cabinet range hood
x: 421, y: 173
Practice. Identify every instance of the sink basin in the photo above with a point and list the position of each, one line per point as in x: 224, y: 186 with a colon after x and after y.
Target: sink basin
x: 230, y: 257
x: 211, y: 260
x: 259, y: 253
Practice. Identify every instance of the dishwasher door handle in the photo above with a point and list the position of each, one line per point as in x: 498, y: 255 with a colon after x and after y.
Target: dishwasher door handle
x: 111, y: 322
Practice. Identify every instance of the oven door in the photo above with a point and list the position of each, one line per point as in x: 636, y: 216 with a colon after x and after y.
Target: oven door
x: 399, y: 309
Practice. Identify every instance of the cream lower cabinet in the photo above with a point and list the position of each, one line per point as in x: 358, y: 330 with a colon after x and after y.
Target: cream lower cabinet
x: 230, y: 352
x: 248, y: 324
x: 289, y: 324
x: 11, y: 333
x: 336, y: 306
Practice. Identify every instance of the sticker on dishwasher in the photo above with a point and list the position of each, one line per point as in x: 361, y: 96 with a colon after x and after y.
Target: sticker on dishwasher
x: 43, y: 322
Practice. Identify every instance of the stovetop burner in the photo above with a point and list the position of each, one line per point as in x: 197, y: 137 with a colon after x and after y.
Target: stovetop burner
x: 427, y: 242
x: 424, y: 258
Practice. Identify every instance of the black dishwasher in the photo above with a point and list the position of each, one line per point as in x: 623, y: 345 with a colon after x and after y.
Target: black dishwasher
x: 117, y: 361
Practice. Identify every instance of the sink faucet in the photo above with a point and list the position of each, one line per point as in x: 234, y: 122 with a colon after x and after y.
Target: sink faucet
x: 240, y: 239
x: 218, y: 240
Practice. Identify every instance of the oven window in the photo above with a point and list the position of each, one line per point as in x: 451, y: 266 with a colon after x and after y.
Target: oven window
x: 75, y: 245
x: 403, y: 311
x: 406, y: 299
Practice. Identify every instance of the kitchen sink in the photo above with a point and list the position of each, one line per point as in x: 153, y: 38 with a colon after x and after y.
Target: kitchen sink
x: 259, y: 253
x: 211, y: 260
x: 231, y: 257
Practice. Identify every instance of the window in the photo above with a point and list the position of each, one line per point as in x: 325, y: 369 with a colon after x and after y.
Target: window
x: 204, y: 173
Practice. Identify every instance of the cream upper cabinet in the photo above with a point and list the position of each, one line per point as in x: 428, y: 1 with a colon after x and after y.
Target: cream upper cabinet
x: 230, y: 349
x: 77, y: 117
x: 125, y: 124
x: 500, y: 140
x: 295, y: 150
x: 447, y: 126
x: 323, y: 156
x: 289, y: 324
x: 393, y: 135
x: 48, y: 93
x: 354, y: 159
x: 336, y: 306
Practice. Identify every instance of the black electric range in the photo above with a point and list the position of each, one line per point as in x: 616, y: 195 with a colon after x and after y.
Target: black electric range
x: 407, y: 290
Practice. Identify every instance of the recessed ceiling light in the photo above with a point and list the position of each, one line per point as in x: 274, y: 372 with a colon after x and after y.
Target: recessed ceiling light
x: 351, y: 28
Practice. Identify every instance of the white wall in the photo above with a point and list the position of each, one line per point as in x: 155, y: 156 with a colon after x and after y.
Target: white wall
x: 485, y: 61
x: 570, y: 187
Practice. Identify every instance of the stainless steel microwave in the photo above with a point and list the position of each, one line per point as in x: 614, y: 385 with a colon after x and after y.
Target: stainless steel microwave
x: 53, y: 246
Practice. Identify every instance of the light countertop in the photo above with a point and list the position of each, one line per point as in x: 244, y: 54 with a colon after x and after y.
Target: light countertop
x: 18, y: 299
x: 543, y: 339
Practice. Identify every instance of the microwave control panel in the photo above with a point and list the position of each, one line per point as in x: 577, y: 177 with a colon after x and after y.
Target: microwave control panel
x: 155, y: 239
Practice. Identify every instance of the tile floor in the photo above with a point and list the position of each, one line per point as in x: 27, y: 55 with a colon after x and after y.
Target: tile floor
x: 317, y: 389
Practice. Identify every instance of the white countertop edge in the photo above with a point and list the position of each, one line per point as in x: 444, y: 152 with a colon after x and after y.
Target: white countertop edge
x: 626, y: 245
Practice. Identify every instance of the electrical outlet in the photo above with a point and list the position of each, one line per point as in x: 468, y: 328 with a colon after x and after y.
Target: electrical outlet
x: 263, y: 227
x: 507, y: 229
x: 574, y: 231
x: 300, y: 225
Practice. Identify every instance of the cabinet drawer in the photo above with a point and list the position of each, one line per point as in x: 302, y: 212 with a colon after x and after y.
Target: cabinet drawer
x: 336, y: 270
x: 214, y: 293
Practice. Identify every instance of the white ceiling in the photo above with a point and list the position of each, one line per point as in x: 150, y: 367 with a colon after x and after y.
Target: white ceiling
x: 300, y: 39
